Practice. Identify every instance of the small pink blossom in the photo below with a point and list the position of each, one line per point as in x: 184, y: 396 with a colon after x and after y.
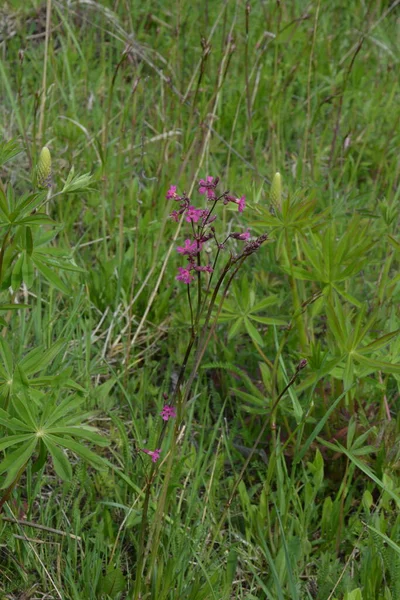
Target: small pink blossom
x: 190, y: 248
x: 171, y: 194
x: 184, y: 275
x: 175, y: 216
x: 194, y: 214
x: 242, y: 236
x: 154, y: 454
x: 168, y: 412
x: 207, y: 187
x: 241, y: 202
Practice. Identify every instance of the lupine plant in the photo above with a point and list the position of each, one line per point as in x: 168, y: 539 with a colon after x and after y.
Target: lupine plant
x: 41, y: 414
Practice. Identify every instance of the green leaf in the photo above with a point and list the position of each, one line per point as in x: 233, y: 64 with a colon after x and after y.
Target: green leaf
x: 12, y: 440
x: 4, y: 209
x: 27, y: 204
x: 9, y: 150
x: 113, y: 582
x: 16, y: 277
x: 28, y: 241
x: 60, y: 461
x: 363, y: 467
x: 81, y: 431
x: 25, y: 411
x: 16, y: 460
x: 378, y: 364
x: 36, y: 219
x: 27, y: 271
x: 266, y: 303
x: 75, y: 183
x: 253, y: 333
x: 92, y: 458
x: 13, y: 306
x: 62, y: 410
x: 379, y: 343
x: 269, y: 320
x: 52, y: 277
x: 320, y: 425
x: 6, y: 356
x: 39, y: 358
x: 235, y: 328
x: 385, y: 538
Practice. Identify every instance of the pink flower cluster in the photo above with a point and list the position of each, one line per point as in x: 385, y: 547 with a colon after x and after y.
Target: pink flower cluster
x: 201, y: 219
x: 168, y: 412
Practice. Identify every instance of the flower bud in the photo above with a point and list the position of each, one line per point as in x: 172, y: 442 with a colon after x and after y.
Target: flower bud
x: 276, y: 190
x: 43, y: 173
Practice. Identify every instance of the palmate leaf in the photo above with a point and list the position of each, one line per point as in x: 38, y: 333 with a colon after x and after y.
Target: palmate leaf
x: 8, y: 151
x: 27, y: 204
x: 13, y: 440
x: 60, y: 461
x: 94, y: 459
x: 40, y: 358
x: 53, y: 413
x: 16, y: 460
x: 51, y: 276
x: 379, y: 365
x: 12, y: 423
x: 76, y: 183
x: 253, y: 333
x: 81, y: 431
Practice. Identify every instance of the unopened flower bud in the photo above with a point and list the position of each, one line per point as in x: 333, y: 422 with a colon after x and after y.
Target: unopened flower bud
x: 276, y: 190
x: 43, y: 174
x: 302, y: 364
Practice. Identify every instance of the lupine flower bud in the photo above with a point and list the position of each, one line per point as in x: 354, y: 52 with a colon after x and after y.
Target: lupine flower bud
x: 276, y: 190
x: 43, y: 174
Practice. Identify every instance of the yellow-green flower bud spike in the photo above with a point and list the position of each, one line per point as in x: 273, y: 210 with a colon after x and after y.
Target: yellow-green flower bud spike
x: 43, y: 174
x: 276, y: 190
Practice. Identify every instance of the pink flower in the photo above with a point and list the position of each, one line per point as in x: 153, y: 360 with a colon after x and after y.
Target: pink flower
x: 242, y: 236
x: 184, y: 275
x: 171, y: 194
x: 194, y: 214
x: 207, y: 186
x: 155, y: 454
x: 241, y: 202
x: 190, y: 248
x: 168, y: 412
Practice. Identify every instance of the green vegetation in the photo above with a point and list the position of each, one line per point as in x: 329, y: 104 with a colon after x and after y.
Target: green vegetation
x: 276, y: 479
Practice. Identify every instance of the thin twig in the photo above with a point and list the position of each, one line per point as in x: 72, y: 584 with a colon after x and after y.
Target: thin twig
x: 41, y: 527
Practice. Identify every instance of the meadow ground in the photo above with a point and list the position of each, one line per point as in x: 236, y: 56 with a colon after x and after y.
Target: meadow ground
x: 275, y: 479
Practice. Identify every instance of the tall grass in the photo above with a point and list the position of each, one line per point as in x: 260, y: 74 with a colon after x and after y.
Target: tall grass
x: 144, y: 95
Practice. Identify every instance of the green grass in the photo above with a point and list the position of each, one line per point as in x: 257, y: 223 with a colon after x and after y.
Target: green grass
x: 148, y: 94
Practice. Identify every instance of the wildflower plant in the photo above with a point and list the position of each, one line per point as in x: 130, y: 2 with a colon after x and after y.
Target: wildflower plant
x: 207, y: 282
x: 211, y: 259
x: 40, y: 414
